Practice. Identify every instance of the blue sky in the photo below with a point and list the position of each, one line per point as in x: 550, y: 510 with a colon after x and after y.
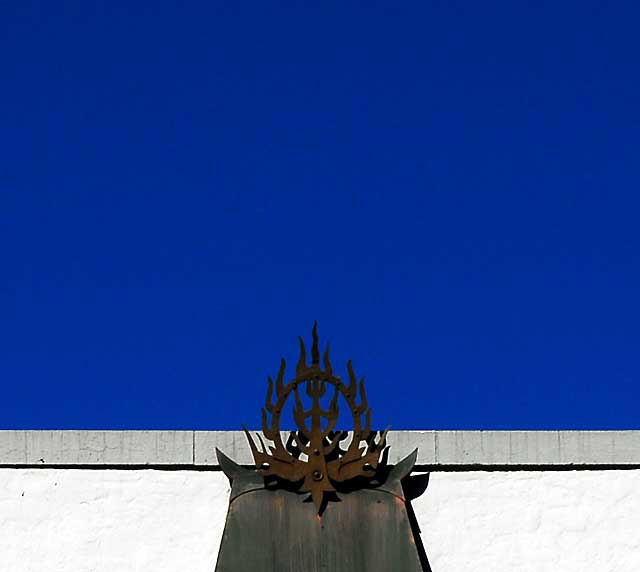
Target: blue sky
x: 449, y: 188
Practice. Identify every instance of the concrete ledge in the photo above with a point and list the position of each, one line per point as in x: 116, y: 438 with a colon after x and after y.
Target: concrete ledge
x: 446, y: 449
x: 46, y: 448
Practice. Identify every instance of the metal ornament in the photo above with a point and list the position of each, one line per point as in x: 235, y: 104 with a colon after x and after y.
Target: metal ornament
x: 313, y: 453
x: 315, y: 500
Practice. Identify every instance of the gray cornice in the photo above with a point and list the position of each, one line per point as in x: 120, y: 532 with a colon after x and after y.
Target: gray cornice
x: 444, y: 450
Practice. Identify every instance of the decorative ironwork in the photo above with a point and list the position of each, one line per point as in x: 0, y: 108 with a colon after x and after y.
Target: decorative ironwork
x: 372, y: 528
x: 313, y: 454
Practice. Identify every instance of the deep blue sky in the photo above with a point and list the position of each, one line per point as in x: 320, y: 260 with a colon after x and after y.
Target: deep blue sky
x: 450, y: 188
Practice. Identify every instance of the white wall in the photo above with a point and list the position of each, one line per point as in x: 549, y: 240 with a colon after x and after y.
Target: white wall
x: 560, y: 521
x: 72, y: 520
x: 109, y: 520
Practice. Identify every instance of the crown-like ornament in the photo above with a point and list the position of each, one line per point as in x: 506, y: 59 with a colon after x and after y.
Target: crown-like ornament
x: 313, y: 454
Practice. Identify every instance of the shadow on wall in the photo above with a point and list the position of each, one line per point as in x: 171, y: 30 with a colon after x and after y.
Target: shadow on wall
x: 414, y: 486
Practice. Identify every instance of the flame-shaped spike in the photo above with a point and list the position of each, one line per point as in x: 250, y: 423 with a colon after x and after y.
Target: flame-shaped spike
x: 318, y: 495
x: 268, y: 402
x: 333, y: 406
x: 383, y: 438
x: 280, y: 378
x: 315, y: 352
x: 327, y: 362
x: 363, y: 396
x: 252, y: 444
x: 298, y: 406
x: 298, y: 417
x: 264, y: 449
x: 302, y: 360
x: 353, y: 382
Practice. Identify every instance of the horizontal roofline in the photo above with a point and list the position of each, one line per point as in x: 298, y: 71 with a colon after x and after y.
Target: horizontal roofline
x: 437, y: 450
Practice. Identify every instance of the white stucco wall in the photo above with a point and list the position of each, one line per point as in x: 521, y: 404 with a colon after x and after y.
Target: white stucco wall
x: 135, y: 520
x: 560, y: 521
x: 73, y: 520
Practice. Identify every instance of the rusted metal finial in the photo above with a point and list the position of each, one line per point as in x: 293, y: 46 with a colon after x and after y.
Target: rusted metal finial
x: 313, y: 455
